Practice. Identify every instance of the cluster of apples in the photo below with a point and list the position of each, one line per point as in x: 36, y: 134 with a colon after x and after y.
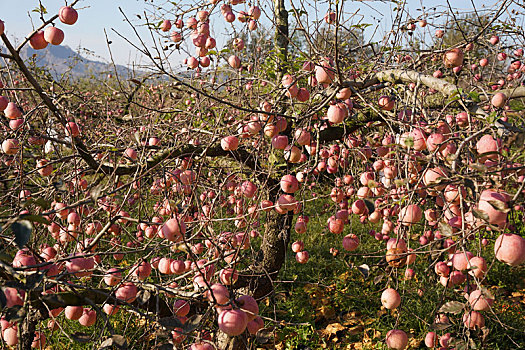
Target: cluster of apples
x: 53, y: 35
x: 200, y: 33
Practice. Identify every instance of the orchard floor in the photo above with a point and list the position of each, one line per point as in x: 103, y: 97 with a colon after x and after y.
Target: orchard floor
x: 333, y: 302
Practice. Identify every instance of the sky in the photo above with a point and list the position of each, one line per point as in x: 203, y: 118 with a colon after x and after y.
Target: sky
x: 88, y: 32
x: 97, y: 15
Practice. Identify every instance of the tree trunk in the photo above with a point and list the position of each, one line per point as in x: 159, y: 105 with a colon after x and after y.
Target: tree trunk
x: 281, y: 36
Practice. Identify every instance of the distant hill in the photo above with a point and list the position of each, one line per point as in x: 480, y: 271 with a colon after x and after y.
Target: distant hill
x: 62, y: 59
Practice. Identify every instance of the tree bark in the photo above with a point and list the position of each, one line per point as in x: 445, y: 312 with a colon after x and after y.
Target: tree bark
x: 281, y: 36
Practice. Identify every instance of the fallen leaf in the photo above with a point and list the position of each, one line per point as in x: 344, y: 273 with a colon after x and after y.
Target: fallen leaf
x: 356, y: 330
x: 332, y: 329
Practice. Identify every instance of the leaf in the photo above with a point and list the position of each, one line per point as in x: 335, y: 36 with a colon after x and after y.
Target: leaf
x: 33, y: 279
x: 115, y: 340
x: 369, y: 205
x: 332, y: 329
x: 143, y: 296
x: 453, y: 307
x: 499, y: 205
x: 378, y: 278
x: 409, y: 142
x: 264, y: 336
x: 440, y: 326
x: 170, y: 322
x: 80, y: 337
x: 40, y: 9
x: 364, y: 269
x: 478, y: 167
x: 470, y: 186
x: 95, y: 192
x: 487, y: 293
x: 474, y: 96
x: 272, y: 159
x: 41, y: 202
x: 458, y: 344
x: 60, y: 185
x: 22, y: 230
x: 35, y: 218
x: 5, y: 258
x: 445, y: 229
x: 480, y: 214
x: 3, y: 299
x: 192, y: 323
x: 15, y: 313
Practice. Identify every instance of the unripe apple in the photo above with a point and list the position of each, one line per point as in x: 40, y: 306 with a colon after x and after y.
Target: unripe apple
x: 229, y: 143
x: 350, y: 242
x: 234, y: 62
x: 453, y: 58
x: 480, y: 301
x: 510, y: 249
x: 39, y: 341
x: 181, y: 307
x: 10, y: 336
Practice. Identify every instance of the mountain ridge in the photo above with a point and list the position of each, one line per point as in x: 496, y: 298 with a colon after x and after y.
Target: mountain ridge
x: 62, y: 59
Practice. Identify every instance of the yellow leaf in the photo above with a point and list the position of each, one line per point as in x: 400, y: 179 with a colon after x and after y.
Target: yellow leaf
x: 332, y: 329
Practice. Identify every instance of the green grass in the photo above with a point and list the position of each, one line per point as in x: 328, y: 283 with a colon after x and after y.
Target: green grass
x: 329, y: 290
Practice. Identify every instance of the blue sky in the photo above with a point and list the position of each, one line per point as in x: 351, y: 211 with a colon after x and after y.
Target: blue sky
x: 97, y: 15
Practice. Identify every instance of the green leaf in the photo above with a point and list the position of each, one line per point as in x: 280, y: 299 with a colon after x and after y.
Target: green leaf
x: 474, y: 96
x: 272, y: 159
x: 6, y: 258
x: 40, y: 9
x: 22, y: 231
x: 409, y: 142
